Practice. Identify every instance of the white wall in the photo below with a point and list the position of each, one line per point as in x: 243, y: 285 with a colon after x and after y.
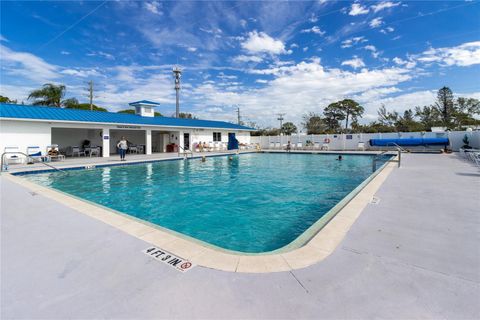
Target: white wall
x: 207, y: 135
x: 24, y: 134
x: 340, y: 141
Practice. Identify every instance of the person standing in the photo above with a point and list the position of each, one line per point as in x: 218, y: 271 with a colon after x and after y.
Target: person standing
x: 122, y: 146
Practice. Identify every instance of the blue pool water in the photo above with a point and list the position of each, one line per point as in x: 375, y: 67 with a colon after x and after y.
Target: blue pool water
x: 253, y: 203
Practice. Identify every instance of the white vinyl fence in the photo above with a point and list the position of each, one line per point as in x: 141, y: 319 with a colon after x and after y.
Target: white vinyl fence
x: 350, y: 141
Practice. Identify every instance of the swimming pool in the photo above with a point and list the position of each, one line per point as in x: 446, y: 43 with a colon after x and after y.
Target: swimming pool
x: 254, y: 203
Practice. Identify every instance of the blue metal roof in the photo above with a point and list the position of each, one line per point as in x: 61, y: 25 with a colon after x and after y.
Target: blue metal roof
x: 18, y: 111
x: 145, y: 102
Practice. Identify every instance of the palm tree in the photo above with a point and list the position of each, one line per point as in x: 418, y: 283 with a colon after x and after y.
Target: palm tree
x: 49, y: 95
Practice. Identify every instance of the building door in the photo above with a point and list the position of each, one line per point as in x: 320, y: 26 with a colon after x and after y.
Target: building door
x: 186, y: 141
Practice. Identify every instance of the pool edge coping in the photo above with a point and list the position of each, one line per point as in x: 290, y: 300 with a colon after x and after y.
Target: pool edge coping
x: 320, y: 244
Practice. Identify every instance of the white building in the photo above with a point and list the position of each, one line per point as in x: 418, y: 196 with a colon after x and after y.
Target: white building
x: 25, y: 126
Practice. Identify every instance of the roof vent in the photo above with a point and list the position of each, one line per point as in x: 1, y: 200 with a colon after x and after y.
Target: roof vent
x: 144, y: 108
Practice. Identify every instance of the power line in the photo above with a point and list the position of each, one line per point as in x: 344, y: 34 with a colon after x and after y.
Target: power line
x: 71, y: 26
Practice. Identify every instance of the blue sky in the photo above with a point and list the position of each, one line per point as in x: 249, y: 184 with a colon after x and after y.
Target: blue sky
x: 264, y: 57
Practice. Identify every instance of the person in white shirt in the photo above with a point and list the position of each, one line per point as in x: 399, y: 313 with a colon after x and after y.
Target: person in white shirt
x: 122, y: 146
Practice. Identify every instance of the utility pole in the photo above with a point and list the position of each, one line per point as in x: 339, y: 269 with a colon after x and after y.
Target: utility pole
x: 238, y: 116
x: 280, y: 118
x: 90, y: 93
x: 177, y: 72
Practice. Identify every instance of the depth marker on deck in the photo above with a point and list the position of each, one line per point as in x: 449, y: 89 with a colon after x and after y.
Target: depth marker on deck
x: 169, y: 259
x: 375, y: 200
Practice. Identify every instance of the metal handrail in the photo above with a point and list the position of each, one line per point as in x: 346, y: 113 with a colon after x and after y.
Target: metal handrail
x: 377, y: 156
x: 185, y: 151
x: 27, y: 157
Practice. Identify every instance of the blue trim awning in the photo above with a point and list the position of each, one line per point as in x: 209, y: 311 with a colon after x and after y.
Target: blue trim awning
x: 26, y: 112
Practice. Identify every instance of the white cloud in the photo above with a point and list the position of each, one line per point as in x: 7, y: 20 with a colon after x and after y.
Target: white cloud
x: 261, y: 42
x: 375, y: 23
x: 301, y: 88
x: 101, y: 54
x: 373, y: 50
x: 2, y: 38
x: 223, y: 76
x: 294, y: 45
x: 83, y: 73
x: 261, y: 81
x: 355, y: 63
x: 407, y: 63
x: 357, y: 9
x: 387, y: 30
x: 353, y: 41
x: 191, y: 49
x: 27, y: 65
x: 305, y: 49
x: 314, y: 29
x: 64, y: 52
x: 154, y: 7
x: 466, y: 54
x: 384, y: 5
x: 244, y: 58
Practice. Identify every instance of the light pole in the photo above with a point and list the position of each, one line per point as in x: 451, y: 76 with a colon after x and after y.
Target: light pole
x: 177, y: 72
x: 280, y: 118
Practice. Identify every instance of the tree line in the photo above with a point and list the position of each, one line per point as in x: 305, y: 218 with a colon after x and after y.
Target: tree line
x: 53, y: 95
x: 342, y: 117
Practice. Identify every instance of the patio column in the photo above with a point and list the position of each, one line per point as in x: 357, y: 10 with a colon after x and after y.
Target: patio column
x: 105, y: 142
x: 180, y: 140
x: 148, y: 141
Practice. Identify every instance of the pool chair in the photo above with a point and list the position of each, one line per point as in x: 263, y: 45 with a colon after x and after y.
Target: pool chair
x: 53, y: 153
x: 361, y: 146
x: 325, y: 146
x: 77, y: 151
x: 34, y: 153
x: 277, y: 145
x: 132, y: 149
x: 298, y: 146
x: 94, y: 151
x: 12, y: 157
x: 271, y: 145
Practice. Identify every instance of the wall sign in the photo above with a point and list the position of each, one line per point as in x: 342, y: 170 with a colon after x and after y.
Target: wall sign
x: 349, y: 137
x: 106, y: 137
x: 129, y: 127
x: 169, y: 259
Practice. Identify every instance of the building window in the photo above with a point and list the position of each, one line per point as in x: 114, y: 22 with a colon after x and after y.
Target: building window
x: 217, y: 137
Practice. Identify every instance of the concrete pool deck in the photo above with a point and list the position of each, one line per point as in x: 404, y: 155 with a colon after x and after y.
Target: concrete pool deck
x: 414, y: 254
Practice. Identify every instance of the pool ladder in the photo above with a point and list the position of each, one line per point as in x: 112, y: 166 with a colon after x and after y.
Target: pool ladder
x: 377, y: 157
x: 4, y: 167
x: 185, y: 152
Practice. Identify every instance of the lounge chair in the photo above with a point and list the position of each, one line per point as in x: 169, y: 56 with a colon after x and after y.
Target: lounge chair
x: 11, y: 157
x: 361, y: 146
x: 53, y: 153
x: 34, y: 153
x: 325, y: 146
x: 298, y: 146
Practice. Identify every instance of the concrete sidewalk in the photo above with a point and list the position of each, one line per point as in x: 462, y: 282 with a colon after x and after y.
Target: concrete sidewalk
x: 415, y: 254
